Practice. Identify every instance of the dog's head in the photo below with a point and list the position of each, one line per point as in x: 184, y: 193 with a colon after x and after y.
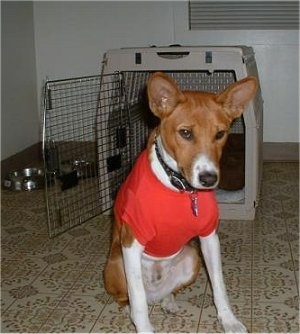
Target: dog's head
x: 194, y: 125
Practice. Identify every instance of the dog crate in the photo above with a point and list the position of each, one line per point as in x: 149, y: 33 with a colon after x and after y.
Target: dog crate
x: 193, y: 68
x: 94, y: 128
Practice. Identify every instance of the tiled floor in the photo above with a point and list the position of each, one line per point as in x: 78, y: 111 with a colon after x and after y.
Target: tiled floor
x: 55, y: 285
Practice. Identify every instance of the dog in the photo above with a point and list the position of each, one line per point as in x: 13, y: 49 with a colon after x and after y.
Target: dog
x: 168, y: 199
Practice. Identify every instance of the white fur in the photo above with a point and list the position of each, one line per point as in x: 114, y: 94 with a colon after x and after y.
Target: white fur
x: 210, y: 247
x: 152, y: 279
x: 132, y: 257
x: 157, y: 167
x: 202, y: 164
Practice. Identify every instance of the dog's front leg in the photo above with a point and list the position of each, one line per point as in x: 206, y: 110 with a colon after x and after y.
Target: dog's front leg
x: 210, y: 247
x: 137, y: 296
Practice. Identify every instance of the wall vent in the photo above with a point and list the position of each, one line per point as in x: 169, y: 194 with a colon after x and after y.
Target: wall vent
x: 243, y: 15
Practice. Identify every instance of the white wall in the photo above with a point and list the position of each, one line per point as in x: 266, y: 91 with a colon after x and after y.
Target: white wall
x: 19, y: 121
x: 70, y: 39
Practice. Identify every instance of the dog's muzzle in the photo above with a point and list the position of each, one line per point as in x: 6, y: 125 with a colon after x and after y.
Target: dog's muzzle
x: 205, y: 173
x: 208, y: 179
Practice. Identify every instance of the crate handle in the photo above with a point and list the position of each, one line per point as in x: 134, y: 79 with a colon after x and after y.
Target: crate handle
x: 173, y: 54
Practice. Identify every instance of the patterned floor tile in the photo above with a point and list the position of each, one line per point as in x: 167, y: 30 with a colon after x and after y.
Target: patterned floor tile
x: 265, y: 277
x: 56, y: 285
x: 27, y: 315
x: 295, y: 252
x: 210, y: 328
x: 193, y: 292
x: 59, y: 277
x: 23, y: 291
x: 270, y: 207
x: 185, y: 320
x: 6, y: 300
x: 88, y: 244
x: 237, y: 276
x: 263, y: 252
x: 73, y: 314
x: 90, y: 281
x: 20, y: 271
x: 236, y: 253
x: 113, y: 320
x: 33, y: 244
x: 275, y: 318
x: 267, y: 227
x: 274, y: 295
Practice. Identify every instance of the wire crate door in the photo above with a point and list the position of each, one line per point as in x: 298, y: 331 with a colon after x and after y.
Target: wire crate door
x: 113, y: 137
x: 70, y: 152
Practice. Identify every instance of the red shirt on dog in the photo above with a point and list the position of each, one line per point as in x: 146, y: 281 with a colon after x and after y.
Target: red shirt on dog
x: 162, y: 219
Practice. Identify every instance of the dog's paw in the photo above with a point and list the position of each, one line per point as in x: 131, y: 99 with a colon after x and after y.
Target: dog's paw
x: 232, y: 325
x: 169, y: 305
x: 142, y: 324
x: 236, y: 327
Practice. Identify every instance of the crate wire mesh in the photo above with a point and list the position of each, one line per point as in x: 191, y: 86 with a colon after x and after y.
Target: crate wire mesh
x: 90, y: 141
x: 112, y: 137
x: 122, y: 130
x: 69, y: 150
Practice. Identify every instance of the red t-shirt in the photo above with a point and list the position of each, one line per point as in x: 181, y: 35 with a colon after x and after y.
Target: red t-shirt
x: 162, y: 219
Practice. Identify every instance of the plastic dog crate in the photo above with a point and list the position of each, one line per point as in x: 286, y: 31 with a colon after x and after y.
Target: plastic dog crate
x: 124, y: 120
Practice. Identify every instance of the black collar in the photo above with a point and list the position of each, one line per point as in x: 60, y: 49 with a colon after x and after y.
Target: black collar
x: 176, y: 179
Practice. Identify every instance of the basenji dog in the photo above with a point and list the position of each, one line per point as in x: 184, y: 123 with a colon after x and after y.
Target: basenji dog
x: 168, y: 199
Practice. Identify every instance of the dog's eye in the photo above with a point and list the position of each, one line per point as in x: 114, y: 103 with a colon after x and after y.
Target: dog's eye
x: 220, y: 135
x: 186, y: 134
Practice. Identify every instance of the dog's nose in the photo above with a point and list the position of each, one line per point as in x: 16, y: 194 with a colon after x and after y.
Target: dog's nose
x: 208, y: 179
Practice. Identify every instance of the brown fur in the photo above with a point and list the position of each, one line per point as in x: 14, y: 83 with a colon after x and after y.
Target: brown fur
x: 206, y: 114
x: 114, y: 274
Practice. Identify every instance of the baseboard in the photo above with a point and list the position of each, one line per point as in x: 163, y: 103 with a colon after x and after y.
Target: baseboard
x: 281, y: 151
x: 30, y: 157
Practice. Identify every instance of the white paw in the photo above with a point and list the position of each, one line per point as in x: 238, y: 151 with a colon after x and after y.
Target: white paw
x: 142, y: 324
x: 231, y: 324
x: 169, y: 305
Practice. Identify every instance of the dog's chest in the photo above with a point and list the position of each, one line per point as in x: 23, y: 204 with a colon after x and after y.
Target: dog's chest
x: 161, y: 219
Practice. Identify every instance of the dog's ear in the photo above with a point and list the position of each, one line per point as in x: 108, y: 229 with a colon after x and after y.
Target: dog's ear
x: 235, y: 98
x: 163, y: 94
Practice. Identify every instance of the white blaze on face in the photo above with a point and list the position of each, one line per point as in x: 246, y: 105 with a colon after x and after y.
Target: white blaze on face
x: 205, y: 174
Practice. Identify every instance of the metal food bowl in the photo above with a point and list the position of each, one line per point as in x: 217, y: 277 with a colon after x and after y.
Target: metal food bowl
x: 25, y: 179
x: 84, y: 168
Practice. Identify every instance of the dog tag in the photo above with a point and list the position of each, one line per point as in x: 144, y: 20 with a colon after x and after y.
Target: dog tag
x: 194, y: 203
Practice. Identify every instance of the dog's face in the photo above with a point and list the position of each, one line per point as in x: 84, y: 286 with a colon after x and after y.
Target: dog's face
x: 194, y: 125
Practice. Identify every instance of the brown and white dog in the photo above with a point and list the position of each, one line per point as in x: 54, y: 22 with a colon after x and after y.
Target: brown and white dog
x: 151, y: 257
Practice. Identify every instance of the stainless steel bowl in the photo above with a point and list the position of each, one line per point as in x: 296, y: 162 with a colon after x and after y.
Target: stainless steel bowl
x: 25, y: 179
x: 84, y: 168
